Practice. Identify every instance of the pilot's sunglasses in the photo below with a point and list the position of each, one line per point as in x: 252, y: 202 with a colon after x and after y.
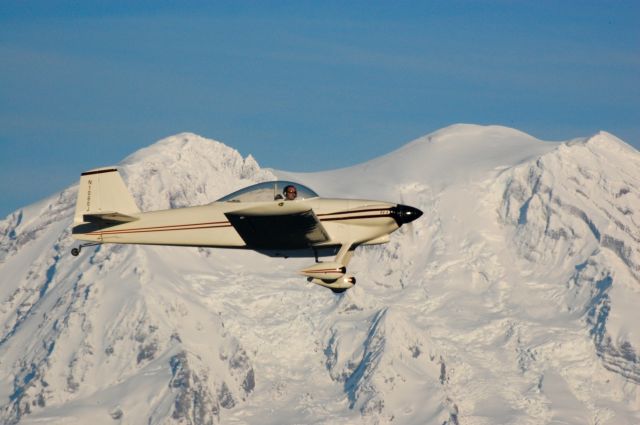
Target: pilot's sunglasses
x: 291, y: 191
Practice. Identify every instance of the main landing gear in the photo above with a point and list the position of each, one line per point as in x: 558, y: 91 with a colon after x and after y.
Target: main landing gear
x: 76, y: 251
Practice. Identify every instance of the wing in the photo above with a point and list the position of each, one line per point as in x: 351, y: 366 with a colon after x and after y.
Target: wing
x: 267, y: 230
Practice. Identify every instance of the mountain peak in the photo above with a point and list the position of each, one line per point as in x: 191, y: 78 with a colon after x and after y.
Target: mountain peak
x: 187, y: 169
x: 456, y: 132
x: 173, y: 147
x: 607, y: 140
x: 460, y: 153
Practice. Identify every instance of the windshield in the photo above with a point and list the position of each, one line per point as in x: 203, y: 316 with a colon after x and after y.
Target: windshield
x: 269, y: 191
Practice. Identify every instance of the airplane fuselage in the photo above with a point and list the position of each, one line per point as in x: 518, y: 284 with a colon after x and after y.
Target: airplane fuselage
x: 359, y: 221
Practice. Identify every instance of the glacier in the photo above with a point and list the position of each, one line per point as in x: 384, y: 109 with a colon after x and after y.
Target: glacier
x: 513, y: 300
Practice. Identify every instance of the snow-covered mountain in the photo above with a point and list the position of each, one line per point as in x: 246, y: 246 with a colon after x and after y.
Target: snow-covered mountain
x: 514, y: 299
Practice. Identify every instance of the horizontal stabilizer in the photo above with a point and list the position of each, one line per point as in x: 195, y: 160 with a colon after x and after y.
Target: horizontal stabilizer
x: 108, y: 217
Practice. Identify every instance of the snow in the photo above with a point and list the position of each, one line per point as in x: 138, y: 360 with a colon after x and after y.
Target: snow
x: 512, y: 300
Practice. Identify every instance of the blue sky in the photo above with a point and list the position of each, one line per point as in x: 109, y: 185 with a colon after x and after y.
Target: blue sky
x: 302, y: 86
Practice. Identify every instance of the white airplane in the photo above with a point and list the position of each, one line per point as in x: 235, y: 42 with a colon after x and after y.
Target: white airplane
x: 276, y: 218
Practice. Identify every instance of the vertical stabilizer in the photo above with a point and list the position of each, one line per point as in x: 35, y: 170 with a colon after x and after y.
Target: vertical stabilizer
x: 103, y: 191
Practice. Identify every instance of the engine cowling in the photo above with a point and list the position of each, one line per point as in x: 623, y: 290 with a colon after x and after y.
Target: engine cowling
x: 329, y: 271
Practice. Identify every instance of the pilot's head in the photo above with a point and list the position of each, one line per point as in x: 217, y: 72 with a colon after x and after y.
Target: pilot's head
x: 290, y: 192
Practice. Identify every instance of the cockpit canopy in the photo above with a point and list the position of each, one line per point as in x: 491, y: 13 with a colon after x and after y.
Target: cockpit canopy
x: 267, y: 191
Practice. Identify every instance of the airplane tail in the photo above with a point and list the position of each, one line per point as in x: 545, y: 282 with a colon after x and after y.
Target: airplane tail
x: 103, y: 193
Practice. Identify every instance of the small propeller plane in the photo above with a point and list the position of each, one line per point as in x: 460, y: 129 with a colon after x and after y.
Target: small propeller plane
x: 276, y: 218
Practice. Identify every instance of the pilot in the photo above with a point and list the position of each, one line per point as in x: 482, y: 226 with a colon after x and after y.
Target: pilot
x: 290, y: 192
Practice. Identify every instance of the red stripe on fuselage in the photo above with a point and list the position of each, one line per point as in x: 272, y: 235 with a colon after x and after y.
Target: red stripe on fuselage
x: 357, y: 218
x: 192, y: 226
x: 353, y: 212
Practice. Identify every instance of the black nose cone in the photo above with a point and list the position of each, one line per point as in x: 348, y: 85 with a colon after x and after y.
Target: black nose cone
x: 403, y: 214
